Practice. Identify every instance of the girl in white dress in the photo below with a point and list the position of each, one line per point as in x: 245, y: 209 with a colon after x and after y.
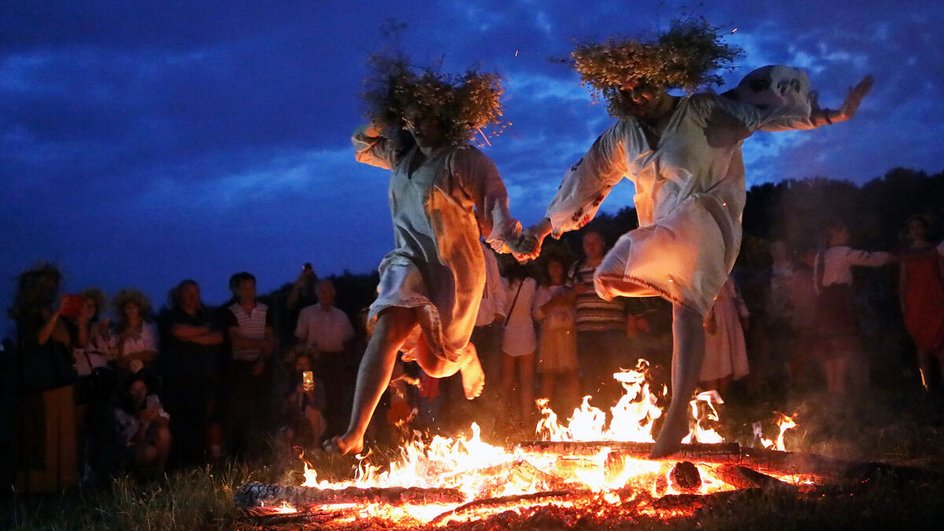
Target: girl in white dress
x: 557, y: 346
x: 519, y: 342
x: 445, y: 195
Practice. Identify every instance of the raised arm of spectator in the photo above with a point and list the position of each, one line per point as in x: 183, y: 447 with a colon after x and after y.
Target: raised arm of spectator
x: 45, y: 331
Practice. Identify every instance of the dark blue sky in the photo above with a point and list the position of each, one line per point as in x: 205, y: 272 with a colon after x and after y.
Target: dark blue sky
x: 146, y: 142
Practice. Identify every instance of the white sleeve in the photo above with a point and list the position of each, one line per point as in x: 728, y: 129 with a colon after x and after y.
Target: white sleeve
x: 478, y: 176
x: 856, y: 257
x: 785, y: 118
x: 373, y: 150
x: 587, y: 183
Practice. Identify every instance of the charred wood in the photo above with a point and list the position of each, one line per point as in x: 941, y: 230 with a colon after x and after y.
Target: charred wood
x: 506, y: 500
x: 685, y: 476
x: 742, y: 477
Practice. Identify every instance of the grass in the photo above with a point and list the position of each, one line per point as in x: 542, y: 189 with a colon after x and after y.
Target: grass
x: 903, y: 427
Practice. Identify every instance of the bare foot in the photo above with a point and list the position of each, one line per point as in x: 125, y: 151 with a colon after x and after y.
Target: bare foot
x: 473, y: 377
x: 670, y: 438
x: 347, y: 444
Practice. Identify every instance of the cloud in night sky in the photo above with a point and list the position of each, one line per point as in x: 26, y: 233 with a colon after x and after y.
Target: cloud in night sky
x: 144, y: 143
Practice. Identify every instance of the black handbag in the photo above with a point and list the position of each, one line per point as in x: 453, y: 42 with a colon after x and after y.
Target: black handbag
x: 96, y: 386
x: 44, y: 367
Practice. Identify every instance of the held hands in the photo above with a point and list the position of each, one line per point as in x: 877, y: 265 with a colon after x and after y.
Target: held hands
x: 528, y: 245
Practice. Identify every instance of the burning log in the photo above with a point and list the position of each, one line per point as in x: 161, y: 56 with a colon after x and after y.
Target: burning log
x: 261, y: 494
x: 685, y: 476
x: 699, y: 452
x: 745, y: 478
x: 760, y: 460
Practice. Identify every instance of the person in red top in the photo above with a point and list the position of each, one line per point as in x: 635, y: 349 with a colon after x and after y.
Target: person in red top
x: 922, y: 295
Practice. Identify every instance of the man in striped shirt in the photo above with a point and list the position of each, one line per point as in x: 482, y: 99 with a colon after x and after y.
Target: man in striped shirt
x: 248, y: 325
x: 601, y: 327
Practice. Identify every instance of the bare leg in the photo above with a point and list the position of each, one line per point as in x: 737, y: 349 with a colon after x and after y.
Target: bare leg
x: 689, y: 350
x: 468, y: 366
x: 373, y: 376
x: 473, y: 376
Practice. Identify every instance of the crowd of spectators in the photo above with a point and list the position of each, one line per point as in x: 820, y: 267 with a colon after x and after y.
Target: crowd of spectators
x: 192, y: 384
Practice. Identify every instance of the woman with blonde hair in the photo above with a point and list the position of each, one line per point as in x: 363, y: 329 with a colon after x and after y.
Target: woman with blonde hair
x: 137, y: 340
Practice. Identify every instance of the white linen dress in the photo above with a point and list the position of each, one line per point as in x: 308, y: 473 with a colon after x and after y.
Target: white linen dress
x: 519, y: 338
x: 437, y: 266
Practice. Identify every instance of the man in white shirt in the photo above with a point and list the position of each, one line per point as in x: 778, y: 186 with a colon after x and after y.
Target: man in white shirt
x: 329, y: 330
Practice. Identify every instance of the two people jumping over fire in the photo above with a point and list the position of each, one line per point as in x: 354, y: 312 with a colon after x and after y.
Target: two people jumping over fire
x: 682, y: 154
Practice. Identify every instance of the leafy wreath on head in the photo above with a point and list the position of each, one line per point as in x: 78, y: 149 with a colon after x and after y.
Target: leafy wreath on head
x: 687, y: 56
x: 464, y: 104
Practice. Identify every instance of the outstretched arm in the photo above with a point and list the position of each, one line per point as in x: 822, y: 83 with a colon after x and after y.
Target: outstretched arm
x: 796, y: 109
x: 821, y: 116
x: 583, y: 189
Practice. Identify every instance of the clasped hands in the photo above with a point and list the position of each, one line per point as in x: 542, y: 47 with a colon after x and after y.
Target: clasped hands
x: 527, y: 245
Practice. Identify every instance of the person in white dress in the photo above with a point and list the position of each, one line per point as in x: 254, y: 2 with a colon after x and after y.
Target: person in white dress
x: 442, y: 190
x: 683, y: 155
x: 519, y: 342
x: 725, y: 349
x: 557, y: 347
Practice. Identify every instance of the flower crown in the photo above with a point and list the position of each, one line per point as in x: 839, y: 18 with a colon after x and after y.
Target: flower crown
x: 464, y: 104
x: 686, y: 56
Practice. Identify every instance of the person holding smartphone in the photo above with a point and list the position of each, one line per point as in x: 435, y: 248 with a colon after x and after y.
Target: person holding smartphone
x: 303, y: 404
x: 46, y: 449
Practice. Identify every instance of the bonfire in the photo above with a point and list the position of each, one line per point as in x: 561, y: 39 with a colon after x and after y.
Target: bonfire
x: 592, y: 470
